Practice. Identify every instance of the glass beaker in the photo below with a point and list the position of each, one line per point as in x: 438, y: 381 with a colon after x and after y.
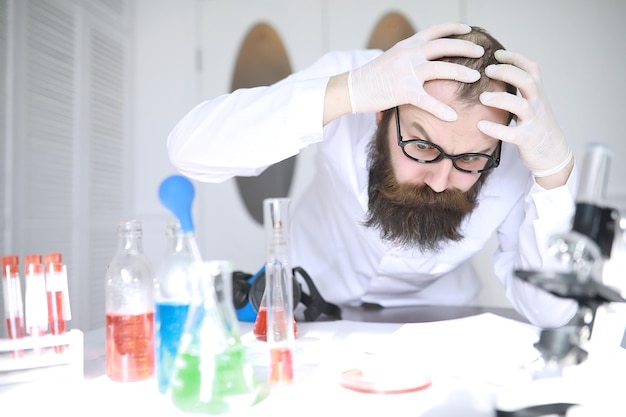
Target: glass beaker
x: 212, y: 374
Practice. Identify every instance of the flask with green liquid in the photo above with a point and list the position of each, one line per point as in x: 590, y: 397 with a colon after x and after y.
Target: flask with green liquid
x: 212, y: 374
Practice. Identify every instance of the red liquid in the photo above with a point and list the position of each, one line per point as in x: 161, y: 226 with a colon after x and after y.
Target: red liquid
x: 281, y: 363
x: 15, y: 329
x: 130, y: 346
x: 56, y: 315
x: 260, y: 325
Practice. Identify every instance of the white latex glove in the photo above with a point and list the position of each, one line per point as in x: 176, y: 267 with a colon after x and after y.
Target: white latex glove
x: 540, y: 140
x: 397, y: 76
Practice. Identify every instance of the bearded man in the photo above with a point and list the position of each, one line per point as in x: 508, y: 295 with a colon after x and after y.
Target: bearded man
x: 424, y: 152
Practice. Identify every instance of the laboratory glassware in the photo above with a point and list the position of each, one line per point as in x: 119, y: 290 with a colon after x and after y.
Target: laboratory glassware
x: 278, y: 261
x: 279, y: 290
x: 12, y: 292
x: 221, y: 272
x: 171, y: 296
x: 35, y: 298
x: 129, y: 308
x: 212, y: 374
x: 56, y: 289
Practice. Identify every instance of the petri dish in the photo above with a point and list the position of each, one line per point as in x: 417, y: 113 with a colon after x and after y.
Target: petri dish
x: 392, y: 382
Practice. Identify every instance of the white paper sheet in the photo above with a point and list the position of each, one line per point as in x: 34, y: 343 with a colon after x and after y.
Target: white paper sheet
x: 487, y: 348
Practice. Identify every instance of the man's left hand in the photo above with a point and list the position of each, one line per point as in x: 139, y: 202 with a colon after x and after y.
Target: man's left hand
x: 540, y: 140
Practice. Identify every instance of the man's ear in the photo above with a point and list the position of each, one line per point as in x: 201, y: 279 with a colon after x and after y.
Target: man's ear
x: 379, y: 117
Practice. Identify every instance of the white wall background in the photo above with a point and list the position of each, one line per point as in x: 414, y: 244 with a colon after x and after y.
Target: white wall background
x: 156, y: 59
x: 186, y: 52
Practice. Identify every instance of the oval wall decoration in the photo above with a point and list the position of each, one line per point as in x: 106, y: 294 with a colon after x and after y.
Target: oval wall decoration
x: 262, y: 60
x: 391, y: 28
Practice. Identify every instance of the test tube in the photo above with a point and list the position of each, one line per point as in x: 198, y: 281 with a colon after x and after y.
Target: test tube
x: 56, y: 288
x: 12, y: 292
x: 35, y: 301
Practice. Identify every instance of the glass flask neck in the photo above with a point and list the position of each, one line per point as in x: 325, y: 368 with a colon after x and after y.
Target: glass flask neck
x: 130, y: 236
x: 175, y: 238
x: 277, y: 229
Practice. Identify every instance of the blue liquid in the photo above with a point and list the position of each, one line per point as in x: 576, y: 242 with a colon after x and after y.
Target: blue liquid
x: 169, y: 323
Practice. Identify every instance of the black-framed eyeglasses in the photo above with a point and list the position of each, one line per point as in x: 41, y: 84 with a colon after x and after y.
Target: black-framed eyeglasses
x: 426, y: 152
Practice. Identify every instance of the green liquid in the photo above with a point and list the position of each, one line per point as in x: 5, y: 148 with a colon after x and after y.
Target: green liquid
x: 214, y: 384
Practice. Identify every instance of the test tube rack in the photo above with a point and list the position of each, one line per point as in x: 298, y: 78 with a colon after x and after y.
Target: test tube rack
x: 34, y: 359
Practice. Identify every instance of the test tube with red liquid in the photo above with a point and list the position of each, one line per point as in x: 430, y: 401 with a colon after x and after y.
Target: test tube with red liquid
x: 35, y: 298
x: 12, y: 292
x: 56, y: 284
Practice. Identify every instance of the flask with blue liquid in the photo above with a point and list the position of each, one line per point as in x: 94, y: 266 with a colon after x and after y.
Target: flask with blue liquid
x: 171, y: 296
x: 212, y: 374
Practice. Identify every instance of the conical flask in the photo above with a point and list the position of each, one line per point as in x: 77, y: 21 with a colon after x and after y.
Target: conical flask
x: 279, y: 291
x: 260, y: 323
x: 212, y: 374
x: 276, y: 221
x: 259, y: 329
x: 221, y: 272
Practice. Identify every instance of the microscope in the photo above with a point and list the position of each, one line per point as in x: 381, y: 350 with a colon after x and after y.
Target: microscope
x: 584, y: 362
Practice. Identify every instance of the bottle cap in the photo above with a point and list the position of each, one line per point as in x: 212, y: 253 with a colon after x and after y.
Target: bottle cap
x: 10, y: 265
x: 33, y: 260
x: 54, y: 262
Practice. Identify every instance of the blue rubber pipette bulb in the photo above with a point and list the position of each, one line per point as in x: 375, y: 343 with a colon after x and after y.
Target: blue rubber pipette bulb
x: 177, y: 193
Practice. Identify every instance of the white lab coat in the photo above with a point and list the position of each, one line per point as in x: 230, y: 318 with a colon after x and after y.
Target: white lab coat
x: 243, y: 133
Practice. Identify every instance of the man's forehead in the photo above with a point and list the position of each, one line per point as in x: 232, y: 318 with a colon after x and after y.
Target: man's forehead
x: 443, y: 90
x: 447, y: 91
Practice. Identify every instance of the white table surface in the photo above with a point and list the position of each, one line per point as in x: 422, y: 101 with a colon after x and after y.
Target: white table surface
x: 323, y: 351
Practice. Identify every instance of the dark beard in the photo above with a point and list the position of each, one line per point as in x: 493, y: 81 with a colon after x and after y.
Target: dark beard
x: 408, y: 215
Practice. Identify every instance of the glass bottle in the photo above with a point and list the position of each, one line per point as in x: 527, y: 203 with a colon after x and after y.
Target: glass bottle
x: 129, y: 308
x: 171, y: 296
x: 13, y: 305
x: 212, y: 374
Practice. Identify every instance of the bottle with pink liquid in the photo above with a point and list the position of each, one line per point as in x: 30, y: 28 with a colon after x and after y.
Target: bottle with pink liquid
x: 129, y: 304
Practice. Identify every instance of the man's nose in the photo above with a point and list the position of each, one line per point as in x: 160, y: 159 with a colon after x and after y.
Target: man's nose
x: 438, y: 175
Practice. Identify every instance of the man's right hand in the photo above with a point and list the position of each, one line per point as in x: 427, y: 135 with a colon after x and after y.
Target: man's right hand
x: 398, y: 75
